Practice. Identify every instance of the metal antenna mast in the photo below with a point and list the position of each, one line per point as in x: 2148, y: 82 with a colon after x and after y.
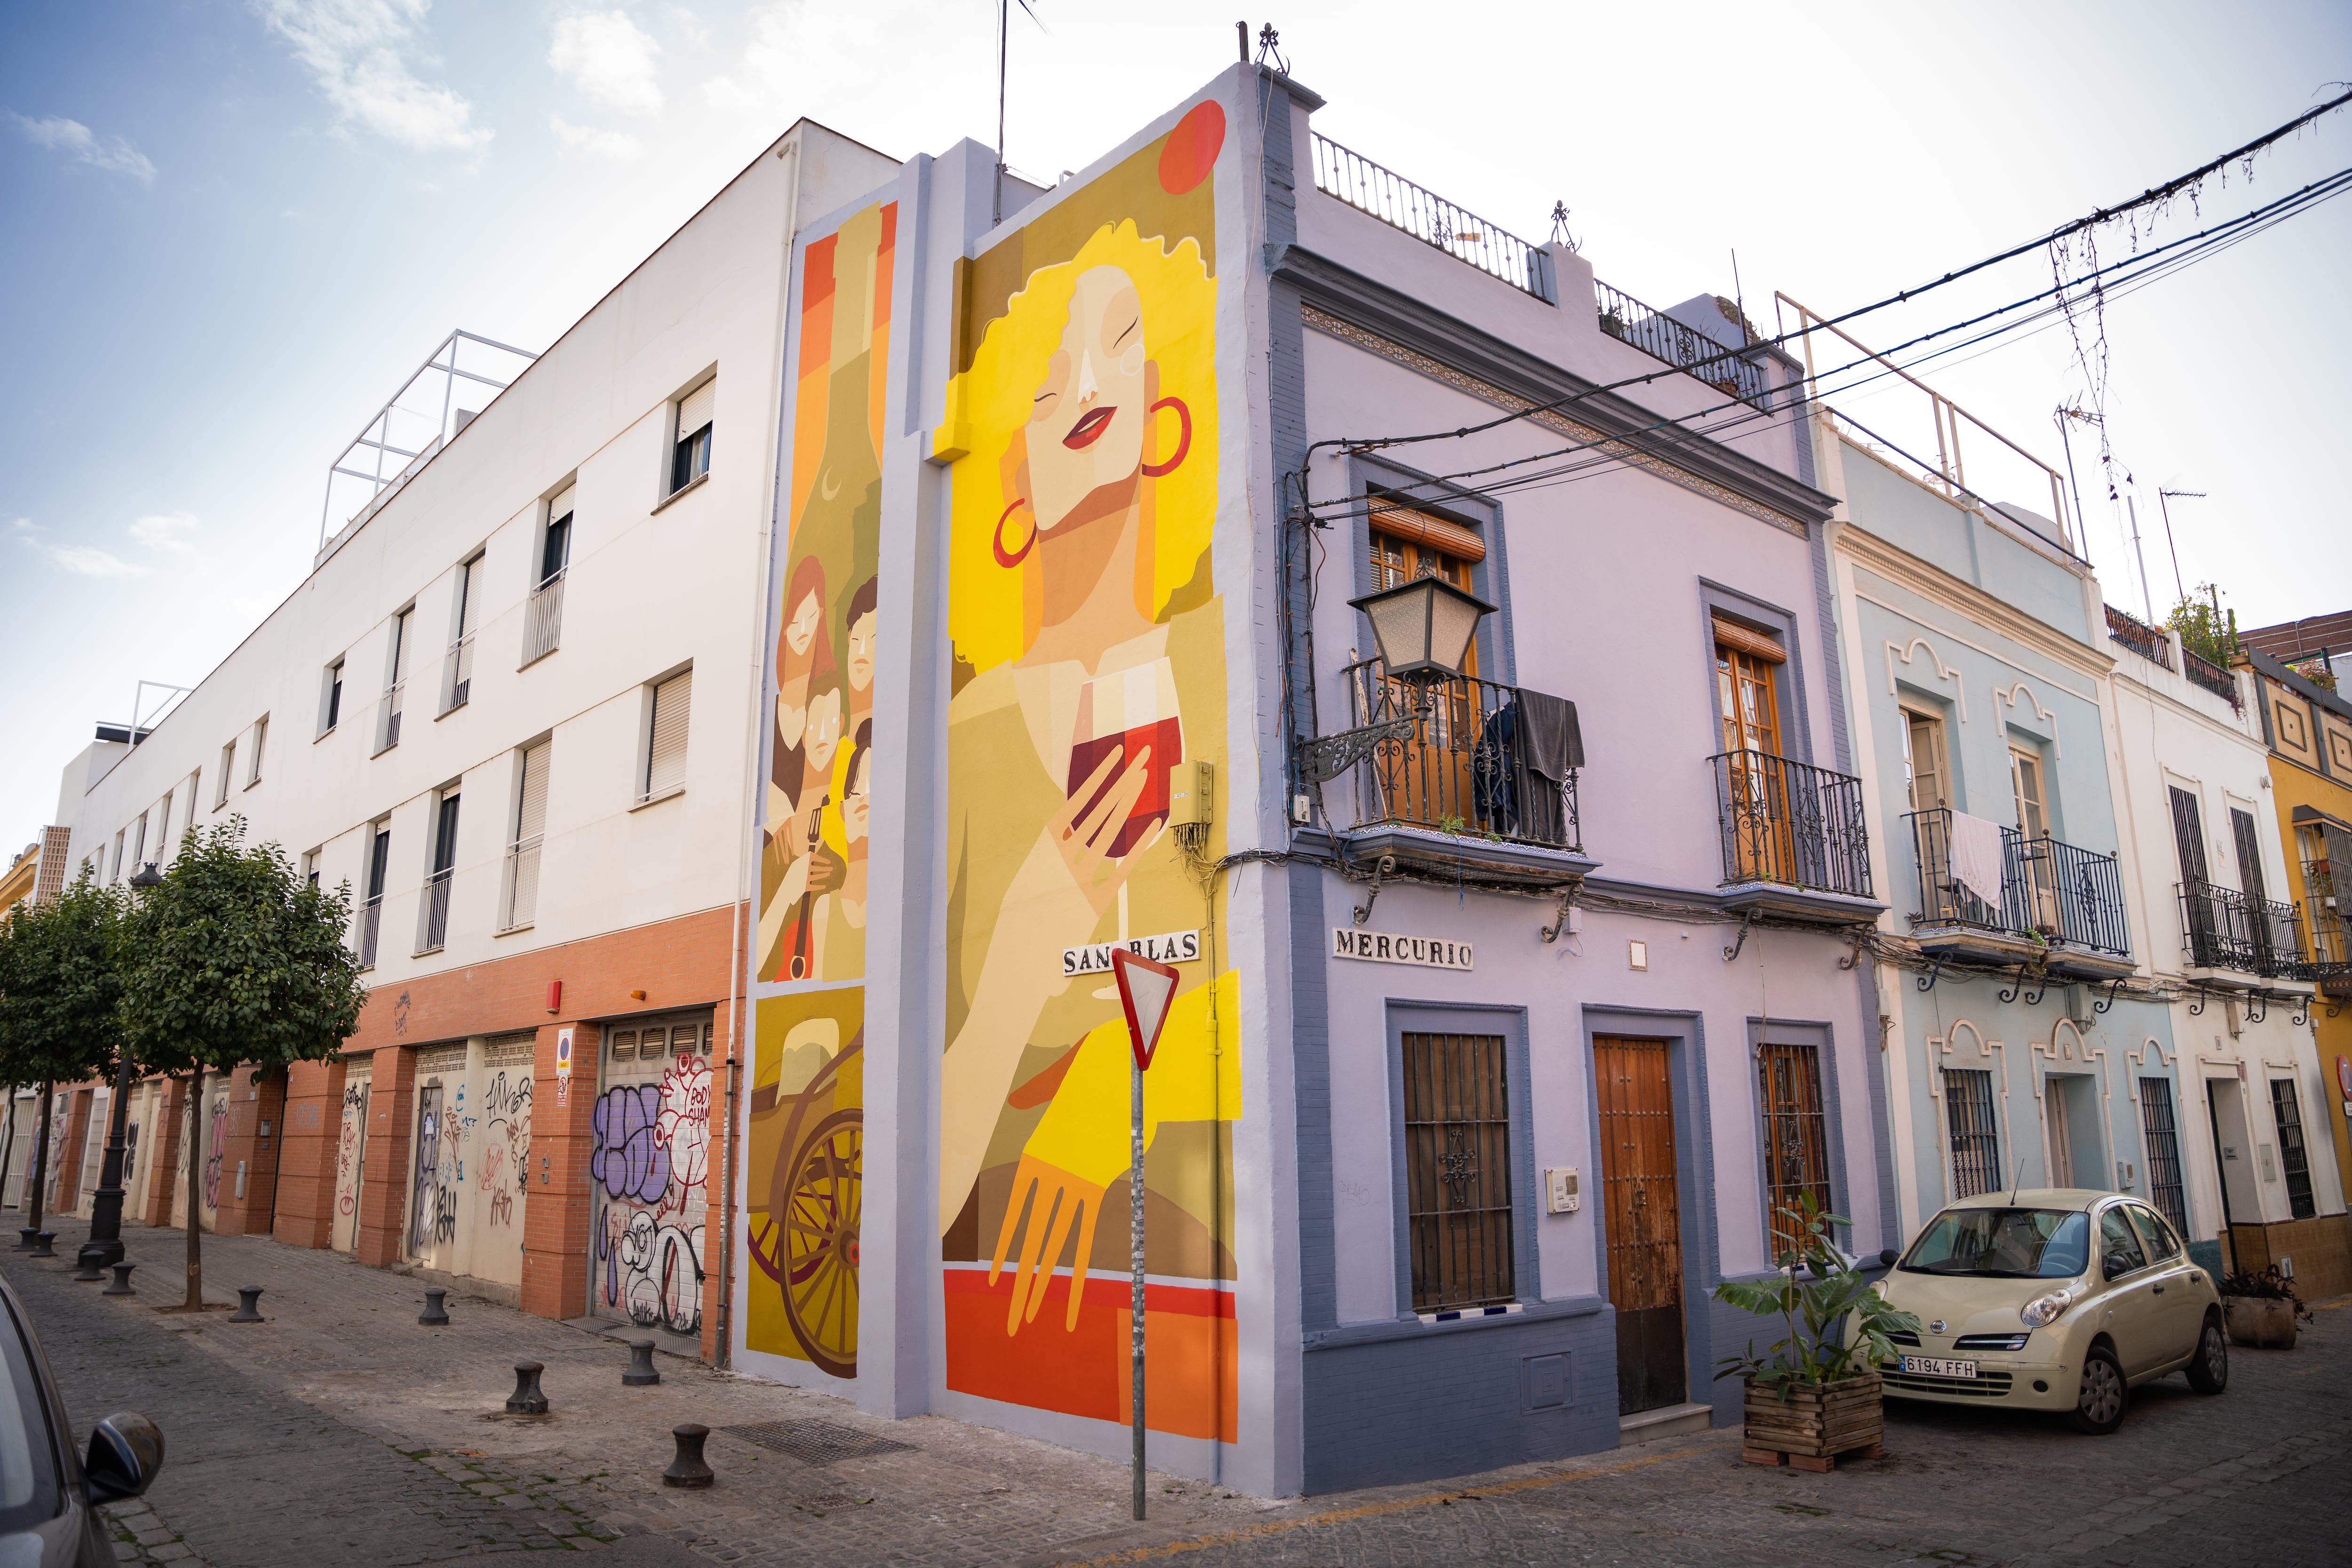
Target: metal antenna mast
x: 2161, y: 497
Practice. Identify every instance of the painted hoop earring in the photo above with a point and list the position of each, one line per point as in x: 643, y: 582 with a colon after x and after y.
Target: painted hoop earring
x: 1184, y: 437
x: 996, y: 541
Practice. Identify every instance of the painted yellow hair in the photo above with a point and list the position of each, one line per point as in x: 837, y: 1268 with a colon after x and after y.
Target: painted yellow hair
x: 993, y: 612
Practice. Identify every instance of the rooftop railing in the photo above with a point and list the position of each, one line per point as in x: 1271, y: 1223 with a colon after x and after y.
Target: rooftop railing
x: 1789, y: 822
x: 2061, y: 893
x: 1662, y: 337
x: 1466, y: 768
x: 1430, y: 217
x: 2204, y: 672
x: 2137, y: 635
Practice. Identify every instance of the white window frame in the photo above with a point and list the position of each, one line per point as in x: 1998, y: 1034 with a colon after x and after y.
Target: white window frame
x: 261, y: 734
x: 227, y: 767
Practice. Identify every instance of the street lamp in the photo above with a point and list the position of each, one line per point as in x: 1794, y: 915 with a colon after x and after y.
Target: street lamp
x: 104, y: 1248
x: 1423, y: 629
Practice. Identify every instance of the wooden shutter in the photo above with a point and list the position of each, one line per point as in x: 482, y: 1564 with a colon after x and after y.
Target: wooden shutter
x: 1747, y: 640
x: 665, y: 754
x: 1458, y: 1170
x: 2250, y: 854
x: 2188, y: 835
x: 694, y: 409
x: 531, y: 820
x: 1413, y: 528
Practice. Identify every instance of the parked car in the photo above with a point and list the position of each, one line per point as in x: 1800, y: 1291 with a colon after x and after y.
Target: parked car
x: 2052, y: 1298
x: 49, y: 1495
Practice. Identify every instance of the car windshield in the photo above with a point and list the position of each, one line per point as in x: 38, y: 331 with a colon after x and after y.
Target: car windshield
x: 2003, y: 1244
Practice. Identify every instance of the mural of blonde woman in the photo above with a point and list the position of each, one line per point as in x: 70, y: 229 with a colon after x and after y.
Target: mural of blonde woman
x: 1089, y: 647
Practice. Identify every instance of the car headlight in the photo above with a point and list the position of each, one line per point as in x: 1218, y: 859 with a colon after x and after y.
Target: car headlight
x: 2044, y: 1310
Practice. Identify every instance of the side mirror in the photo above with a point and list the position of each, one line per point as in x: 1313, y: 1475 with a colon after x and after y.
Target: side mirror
x: 126, y: 1453
x: 1887, y: 1257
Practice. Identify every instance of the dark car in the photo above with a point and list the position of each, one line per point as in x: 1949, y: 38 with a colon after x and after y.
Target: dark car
x: 49, y: 1495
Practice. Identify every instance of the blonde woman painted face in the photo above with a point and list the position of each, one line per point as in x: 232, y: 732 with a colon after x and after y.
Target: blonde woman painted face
x: 1087, y: 420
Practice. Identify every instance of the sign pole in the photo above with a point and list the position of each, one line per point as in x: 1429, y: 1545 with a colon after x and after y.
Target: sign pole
x: 1146, y: 986
x: 1135, y: 1244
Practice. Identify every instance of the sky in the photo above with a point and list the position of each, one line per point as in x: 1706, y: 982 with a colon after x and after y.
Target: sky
x: 229, y: 231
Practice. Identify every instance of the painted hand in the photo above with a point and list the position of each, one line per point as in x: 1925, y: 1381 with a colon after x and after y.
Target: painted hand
x: 1060, y: 1204
x: 1084, y: 836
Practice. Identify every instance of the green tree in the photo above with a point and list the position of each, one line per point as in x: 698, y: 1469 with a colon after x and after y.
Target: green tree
x: 2206, y: 630
x: 234, y: 959
x: 60, y: 983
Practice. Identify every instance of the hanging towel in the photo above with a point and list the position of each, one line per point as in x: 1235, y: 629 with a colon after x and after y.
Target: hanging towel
x: 1975, y: 855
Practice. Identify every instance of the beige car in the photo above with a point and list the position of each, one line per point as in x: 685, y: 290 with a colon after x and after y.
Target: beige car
x: 2052, y: 1298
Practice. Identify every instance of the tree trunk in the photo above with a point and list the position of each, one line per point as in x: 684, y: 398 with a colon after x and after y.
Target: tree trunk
x: 41, y: 1151
x: 195, y: 1143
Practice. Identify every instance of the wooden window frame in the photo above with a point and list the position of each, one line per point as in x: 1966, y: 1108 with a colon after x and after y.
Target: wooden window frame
x: 1785, y: 1064
x: 1461, y: 1219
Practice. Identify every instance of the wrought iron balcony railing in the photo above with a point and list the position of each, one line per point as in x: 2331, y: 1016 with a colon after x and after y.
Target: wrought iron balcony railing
x: 1467, y: 764
x: 2065, y: 895
x: 2222, y: 927
x: 1430, y: 217
x: 1662, y: 337
x: 1790, y: 822
x: 2204, y: 672
x: 543, y: 620
x: 2330, y: 962
x: 2137, y: 635
x: 371, y: 926
x: 433, y: 930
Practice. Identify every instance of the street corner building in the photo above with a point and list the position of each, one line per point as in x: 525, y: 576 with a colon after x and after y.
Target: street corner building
x: 750, y: 734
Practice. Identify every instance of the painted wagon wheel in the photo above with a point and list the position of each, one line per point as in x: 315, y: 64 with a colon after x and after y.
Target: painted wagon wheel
x: 767, y: 1242
x: 818, y: 1230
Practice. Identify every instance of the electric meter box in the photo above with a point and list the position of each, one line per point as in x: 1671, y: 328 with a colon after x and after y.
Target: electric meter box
x: 1561, y: 1194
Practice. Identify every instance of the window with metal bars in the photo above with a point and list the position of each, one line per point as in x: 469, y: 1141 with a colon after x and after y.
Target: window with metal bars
x: 1974, y: 1132
x: 2162, y: 1137
x: 2294, y: 1160
x: 1796, y: 1133
x: 1458, y: 1170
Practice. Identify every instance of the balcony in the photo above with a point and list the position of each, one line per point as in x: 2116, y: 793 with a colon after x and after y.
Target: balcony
x: 1463, y: 784
x: 2060, y: 904
x: 1662, y: 338
x: 543, y: 620
x: 2330, y: 965
x: 1793, y: 841
x: 1429, y: 217
x: 2204, y: 672
x: 2221, y: 928
x: 371, y: 927
x: 433, y: 928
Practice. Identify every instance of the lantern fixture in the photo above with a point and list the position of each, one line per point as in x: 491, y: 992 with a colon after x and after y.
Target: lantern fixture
x: 1423, y: 629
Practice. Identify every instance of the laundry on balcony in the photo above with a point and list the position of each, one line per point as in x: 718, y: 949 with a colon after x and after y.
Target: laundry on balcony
x: 1526, y: 757
x: 1975, y: 856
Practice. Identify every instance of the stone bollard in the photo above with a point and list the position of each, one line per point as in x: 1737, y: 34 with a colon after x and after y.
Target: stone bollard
x: 26, y: 1236
x: 436, y: 1311
x: 248, y: 1309
x: 527, y: 1399
x: 689, y: 1470
x: 121, y: 1286
x: 93, y: 1260
x: 44, y: 1249
x: 641, y: 1366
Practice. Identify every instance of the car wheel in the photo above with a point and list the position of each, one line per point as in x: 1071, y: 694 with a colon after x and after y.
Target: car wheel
x: 2209, y: 1372
x: 2099, y: 1407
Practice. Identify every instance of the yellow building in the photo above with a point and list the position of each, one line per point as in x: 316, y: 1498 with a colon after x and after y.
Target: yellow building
x: 2309, y: 731
x: 37, y: 873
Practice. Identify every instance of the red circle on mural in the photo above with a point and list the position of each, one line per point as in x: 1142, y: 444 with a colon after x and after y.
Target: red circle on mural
x: 1192, y: 148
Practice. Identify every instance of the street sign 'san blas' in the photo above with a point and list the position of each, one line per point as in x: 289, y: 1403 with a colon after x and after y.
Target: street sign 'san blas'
x: 1145, y: 989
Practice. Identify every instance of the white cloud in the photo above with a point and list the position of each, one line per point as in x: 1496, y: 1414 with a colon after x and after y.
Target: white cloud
x: 78, y: 142
x: 89, y: 561
x: 617, y: 145
x: 358, y: 53
x: 609, y: 60
x: 166, y: 531
x: 765, y: 63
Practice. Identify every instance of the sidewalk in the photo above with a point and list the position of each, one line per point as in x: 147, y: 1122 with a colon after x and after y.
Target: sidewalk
x: 343, y: 1340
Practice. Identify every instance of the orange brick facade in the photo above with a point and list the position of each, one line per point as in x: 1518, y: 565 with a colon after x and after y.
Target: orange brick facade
x: 284, y: 1128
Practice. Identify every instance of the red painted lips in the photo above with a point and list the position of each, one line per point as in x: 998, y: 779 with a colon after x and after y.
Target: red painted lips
x: 1088, y: 431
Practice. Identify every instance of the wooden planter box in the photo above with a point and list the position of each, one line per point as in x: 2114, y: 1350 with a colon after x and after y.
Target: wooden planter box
x: 1815, y: 1422
x: 2264, y: 1324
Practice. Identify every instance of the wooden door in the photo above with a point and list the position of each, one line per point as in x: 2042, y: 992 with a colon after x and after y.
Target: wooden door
x: 1430, y: 781
x: 1642, y: 1214
x: 1744, y: 666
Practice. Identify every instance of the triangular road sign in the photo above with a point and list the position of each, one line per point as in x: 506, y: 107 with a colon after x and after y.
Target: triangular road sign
x: 1145, y: 989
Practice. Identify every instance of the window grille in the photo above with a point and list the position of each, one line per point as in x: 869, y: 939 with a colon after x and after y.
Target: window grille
x: 1796, y: 1147
x: 2294, y: 1160
x: 1974, y: 1134
x: 523, y: 849
x: 2162, y: 1137
x: 1458, y: 1170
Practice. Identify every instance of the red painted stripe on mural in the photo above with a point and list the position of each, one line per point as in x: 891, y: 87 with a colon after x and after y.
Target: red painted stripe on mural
x: 1110, y: 1291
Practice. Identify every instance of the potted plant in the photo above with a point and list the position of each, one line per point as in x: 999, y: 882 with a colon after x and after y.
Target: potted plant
x: 1815, y: 1393
x: 2261, y: 1309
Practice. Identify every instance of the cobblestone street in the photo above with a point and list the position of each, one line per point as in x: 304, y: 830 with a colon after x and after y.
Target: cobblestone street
x: 342, y: 1431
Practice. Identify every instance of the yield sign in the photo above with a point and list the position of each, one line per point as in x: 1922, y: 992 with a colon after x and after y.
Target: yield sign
x: 1145, y: 989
